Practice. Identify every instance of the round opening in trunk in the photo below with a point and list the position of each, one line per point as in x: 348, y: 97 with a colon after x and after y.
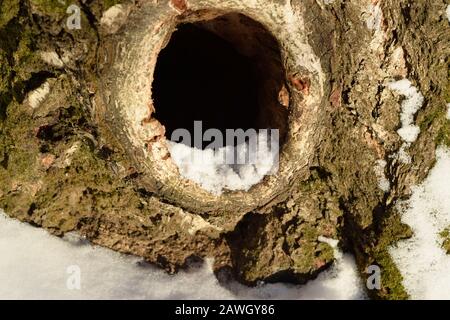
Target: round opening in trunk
x: 230, y: 66
x: 226, y: 73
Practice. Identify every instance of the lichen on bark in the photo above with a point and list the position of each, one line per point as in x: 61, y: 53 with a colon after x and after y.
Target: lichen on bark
x: 65, y: 166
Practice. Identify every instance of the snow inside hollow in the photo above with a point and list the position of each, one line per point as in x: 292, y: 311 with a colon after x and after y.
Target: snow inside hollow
x: 36, y: 265
x: 422, y: 261
x: 210, y: 169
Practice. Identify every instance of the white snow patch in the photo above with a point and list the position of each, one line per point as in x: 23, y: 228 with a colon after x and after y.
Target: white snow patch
x: 403, y: 154
x: 448, y: 109
x: 51, y: 58
x: 38, y: 95
x: 331, y: 242
x: 35, y: 265
x: 422, y: 261
x: 413, y: 102
x: 409, y: 132
x: 448, y: 12
x: 383, y: 182
x: 209, y: 169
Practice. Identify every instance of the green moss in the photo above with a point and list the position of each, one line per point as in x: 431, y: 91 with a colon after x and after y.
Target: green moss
x: 391, y: 278
x: 443, y: 136
x: 52, y: 8
x: 109, y: 3
x: 445, y: 235
x: 325, y: 252
x: 5, y: 99
x: 437, y: 117
x: 447, y: 88
x: 429, y: 118
x: 76, y: 185
x: 308, y: 232
x: 24, y: 49
x: 9, y: 9
x: 19, y: 174
x: 392, y: 230
x: 18, y: 61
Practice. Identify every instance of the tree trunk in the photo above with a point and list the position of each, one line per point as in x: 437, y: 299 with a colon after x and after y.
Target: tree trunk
x: 81, y: 148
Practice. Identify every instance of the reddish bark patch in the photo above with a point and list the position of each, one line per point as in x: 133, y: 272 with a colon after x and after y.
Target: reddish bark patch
x: 319, y: 263
x: 335, y: 97
x: 47, y: 160
x: 301, y: 84
x: 180, y: 5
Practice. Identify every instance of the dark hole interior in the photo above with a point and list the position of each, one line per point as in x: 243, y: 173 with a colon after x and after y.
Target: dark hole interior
x: 225, y: 72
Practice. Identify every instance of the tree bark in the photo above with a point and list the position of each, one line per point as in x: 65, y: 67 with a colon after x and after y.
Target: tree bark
x: 81, y: 151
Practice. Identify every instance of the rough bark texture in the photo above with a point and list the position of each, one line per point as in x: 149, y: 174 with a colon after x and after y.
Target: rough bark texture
x: 70, y: 160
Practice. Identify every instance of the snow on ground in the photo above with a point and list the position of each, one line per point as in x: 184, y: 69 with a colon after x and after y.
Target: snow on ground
x: 36, y: 265
x: 211, y: 171
x: 448, y: 12
x: 423, y: 263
